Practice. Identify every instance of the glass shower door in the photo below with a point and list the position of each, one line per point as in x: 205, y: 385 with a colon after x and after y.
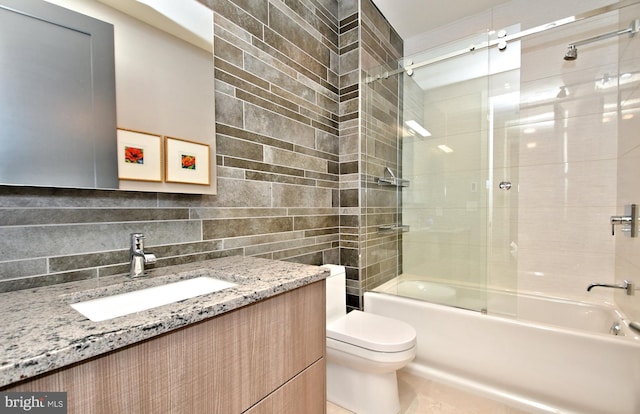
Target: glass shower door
x: 512, y: 154
x: 459, y: 200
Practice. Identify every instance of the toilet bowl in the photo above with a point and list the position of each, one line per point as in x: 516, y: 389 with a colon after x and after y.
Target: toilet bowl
x: 364, y: 351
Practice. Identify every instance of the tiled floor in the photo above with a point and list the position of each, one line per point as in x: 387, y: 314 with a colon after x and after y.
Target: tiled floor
x: 418, y: 396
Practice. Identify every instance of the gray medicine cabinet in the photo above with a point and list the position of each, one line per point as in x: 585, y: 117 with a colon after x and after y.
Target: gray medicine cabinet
x: 73, y: 71
x: 57, y: 99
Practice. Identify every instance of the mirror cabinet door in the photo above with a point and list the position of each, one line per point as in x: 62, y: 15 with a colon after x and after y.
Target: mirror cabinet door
x: 57, y: 100
x: 74, y: 71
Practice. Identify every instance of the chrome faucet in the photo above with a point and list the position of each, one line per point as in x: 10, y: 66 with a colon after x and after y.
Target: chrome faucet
x: 137, y: 255
x: 626, y: 285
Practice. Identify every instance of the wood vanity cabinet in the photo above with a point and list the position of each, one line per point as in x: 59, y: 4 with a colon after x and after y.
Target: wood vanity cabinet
x: 268, y: 357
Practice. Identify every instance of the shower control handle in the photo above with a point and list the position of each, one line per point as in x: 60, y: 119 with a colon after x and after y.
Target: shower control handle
x: 630, y: 220
x: 618, y: 220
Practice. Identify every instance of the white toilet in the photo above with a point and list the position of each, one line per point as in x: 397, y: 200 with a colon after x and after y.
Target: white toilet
x: 364, y: 351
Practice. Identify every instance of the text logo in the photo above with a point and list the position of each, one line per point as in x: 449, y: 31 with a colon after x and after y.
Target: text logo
x: 33, y: 402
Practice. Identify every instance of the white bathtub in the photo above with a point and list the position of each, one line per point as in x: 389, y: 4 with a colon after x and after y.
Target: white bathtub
x: 554, y: 356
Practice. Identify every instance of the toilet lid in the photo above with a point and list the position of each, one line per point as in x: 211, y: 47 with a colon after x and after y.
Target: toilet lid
x: 371, y: 331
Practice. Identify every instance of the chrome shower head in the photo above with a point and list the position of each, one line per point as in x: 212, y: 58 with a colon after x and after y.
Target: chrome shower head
x: 572, y: 53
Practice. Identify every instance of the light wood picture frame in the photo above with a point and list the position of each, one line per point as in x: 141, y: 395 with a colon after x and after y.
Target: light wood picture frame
x: 187, y: 162
x: 139, y: 156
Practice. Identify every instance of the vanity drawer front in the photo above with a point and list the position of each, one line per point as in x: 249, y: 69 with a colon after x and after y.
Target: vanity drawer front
x: 303, y: 394
x: 279, y: 341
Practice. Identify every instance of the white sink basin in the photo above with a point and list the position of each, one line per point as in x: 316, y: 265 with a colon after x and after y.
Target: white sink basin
x: 109, y: 307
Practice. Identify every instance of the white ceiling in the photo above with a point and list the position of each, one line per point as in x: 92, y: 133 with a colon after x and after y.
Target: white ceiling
x: 412, y: 17
x: 187, y: 20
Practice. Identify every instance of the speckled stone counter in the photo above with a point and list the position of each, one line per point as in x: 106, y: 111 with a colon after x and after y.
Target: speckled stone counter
x: 41, y: 332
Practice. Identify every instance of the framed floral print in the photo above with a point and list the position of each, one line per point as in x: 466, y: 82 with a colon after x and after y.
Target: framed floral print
x: 187, y: 162
x: 139, y: 156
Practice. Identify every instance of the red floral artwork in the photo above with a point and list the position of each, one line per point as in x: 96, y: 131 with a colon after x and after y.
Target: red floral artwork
x: 133, y: 155
x: 188, y: 162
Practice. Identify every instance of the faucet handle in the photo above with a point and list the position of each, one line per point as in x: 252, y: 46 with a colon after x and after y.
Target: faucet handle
x: 150, y: 258
x: 137, y: 243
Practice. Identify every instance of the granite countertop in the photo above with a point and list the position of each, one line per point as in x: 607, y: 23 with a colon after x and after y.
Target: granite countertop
x: 41, y: 332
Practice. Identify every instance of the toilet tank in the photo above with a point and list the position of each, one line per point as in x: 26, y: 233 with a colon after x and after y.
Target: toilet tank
x: 336, y: 292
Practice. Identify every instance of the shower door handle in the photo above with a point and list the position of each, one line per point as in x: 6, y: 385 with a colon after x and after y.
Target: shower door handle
x: 505, y: 185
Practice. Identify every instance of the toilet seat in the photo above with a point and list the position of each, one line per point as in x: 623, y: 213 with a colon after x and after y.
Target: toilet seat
x: 372, y: 332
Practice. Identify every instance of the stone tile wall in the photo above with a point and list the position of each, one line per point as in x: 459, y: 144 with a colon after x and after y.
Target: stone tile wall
x: 368, y: 143
x: 349, y: 42
x: 380, y: 147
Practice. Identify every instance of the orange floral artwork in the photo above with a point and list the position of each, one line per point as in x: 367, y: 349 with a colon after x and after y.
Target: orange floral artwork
x: 188, y: 162
x: 133, y: 155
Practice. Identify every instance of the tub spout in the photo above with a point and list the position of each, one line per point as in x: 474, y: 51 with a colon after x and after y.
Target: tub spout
x: 628, y: 286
